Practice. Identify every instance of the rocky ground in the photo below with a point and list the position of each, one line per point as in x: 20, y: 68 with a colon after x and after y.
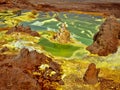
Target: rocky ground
x: 29, y: 71
x: 106, y: 7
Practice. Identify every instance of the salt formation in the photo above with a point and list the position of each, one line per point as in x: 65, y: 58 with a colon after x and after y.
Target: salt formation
x: 63, y: 36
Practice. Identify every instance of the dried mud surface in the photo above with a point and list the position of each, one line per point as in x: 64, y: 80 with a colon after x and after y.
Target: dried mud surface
x: 23, y: 72
x: 107, y: 8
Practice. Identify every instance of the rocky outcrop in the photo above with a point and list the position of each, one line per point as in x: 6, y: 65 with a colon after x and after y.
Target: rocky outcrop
x: 29, y: 71
x: 106, y: 41
x: 91, y: 74
x: 23, y: 29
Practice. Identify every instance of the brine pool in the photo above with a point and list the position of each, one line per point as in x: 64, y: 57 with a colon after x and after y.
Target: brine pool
x: 81, y: 26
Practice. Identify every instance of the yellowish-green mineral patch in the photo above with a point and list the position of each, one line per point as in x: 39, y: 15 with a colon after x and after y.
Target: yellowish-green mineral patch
x: 11, y: 20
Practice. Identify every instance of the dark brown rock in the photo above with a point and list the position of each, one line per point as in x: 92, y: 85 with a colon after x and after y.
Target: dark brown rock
x: 23, y: 29
x: 106, y: 41
x: 54, y: 66
x: 2, y: 1
x: 91, y: 74
x: 4, y: 49
x: 34, y: 33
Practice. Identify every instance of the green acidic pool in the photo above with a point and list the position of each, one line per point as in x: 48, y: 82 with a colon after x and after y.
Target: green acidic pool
x: 56, y: 49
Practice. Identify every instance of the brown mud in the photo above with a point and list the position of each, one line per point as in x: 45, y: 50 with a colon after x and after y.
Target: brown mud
x: 23, y: 72
x: 107, y: 8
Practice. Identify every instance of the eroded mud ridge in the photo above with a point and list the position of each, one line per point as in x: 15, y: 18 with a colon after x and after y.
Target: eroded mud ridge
x: 29, y: 71
x: 105, y: 7
x: 15, y: 4
x: 106, y: 41
x: 23, y: 29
